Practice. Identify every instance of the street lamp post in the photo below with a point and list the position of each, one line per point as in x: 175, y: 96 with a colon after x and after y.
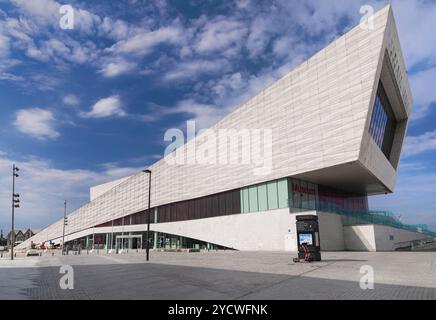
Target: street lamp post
x: 65, y: 223
x: 15, y: 204
x: 148, y: 215
x: 112, y: 237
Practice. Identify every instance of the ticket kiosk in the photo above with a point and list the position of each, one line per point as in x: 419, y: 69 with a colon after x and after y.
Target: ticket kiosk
x: 309, y: 248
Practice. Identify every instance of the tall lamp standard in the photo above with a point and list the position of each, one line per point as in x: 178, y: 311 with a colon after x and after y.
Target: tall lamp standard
x: 63, y: 230
x: 148, y: 215
x: 15, y: 204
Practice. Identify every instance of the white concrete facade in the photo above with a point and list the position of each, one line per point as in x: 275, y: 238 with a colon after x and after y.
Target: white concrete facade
x: 377, y: 237
x: 319, y: 114
x: 97, y: 191
x: 271, y: 231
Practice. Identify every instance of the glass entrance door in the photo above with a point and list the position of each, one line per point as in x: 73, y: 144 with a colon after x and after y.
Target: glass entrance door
x: 133, y: 241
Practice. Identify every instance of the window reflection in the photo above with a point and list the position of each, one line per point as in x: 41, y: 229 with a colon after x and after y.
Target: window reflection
x: 383, y: 123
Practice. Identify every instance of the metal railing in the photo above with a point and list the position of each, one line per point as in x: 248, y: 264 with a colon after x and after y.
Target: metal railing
x: 359, y: 217
x: 416, y: 245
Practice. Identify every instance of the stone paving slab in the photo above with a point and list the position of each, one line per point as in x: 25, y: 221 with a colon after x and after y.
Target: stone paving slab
x: 221, y: 275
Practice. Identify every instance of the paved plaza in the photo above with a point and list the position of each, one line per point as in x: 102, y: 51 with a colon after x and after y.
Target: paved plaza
x: 220, y: 275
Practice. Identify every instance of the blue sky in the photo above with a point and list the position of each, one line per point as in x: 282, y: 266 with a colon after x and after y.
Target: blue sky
x: 83, y: 106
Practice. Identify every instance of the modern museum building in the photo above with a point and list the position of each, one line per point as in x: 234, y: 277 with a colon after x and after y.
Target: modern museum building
x: 332, y: 131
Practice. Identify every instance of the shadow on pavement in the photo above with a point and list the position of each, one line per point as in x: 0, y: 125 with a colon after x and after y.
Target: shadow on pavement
x: 161, y: 281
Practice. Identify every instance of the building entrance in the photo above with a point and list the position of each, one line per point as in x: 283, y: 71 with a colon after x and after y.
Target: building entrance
x: 133, y: 241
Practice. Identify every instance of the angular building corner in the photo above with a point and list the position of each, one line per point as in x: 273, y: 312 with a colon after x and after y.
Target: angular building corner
x: 338, y: 123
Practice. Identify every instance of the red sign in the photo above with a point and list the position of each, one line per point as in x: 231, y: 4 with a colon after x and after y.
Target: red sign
x: 301, y: 189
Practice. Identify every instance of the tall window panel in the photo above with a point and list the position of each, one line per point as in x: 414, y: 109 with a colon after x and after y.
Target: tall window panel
x: 252, y: 196
x: 262, y: 197
x: 273, y: 202
x: 245, y: 204
x: 283, y: 194
x: 383, y: 123
x: 266, y: 196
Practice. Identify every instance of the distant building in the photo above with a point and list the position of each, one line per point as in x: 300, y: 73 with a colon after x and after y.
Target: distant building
x: 3, y: 241
x: 19, y: 237
x: 30, y: 233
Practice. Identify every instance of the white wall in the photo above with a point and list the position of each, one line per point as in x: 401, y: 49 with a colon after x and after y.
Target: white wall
x: 384, y: 243
x: 96, y: 191
x: 270, y: 231
x: 330, y: 232
x: 359, y: 238
x: 377, y: 237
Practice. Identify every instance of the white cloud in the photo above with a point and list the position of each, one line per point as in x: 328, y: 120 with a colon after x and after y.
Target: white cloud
x: 106, y: 107
x: 415, y: 145
x: 10, y: 77
x: 55, y: 47
x: 227, y: 84
x: 67, y: 50
x: 322, y: 17
x: 142, y: 43
x: 43, y: 188
x: 46, y: 13
x: 413, y: 197
x: 416, y: 24
x: 71, y: 100
x: 118, y: 29
x: 423, y: 92
x: 39, y: 44
x: 32, y: 33
x: 36, y: 122
x: 229, y: 91
x: 192, y: 69
x: 242, y: 4
x: 6, y: 64
x: 283, y: 46
x: 43, y: 11
x: 204, y: 115
x: 116, y: 67
x: 221, y: 34
x: 35, y: 53
x: 4, y: 46
x: 260, y: 35
x: 44, y: 82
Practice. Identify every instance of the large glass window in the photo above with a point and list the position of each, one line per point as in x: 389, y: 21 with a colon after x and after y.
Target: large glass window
x: 244, y: 200
x: 266, y: 196
x: 273, y: 202
x: 303, y: 194
x: 332, y: 200
x: 263, y: 197
x: 276, y: 194
x: 283, y: 195
x: 383, y: 123
x: 252, y: 195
